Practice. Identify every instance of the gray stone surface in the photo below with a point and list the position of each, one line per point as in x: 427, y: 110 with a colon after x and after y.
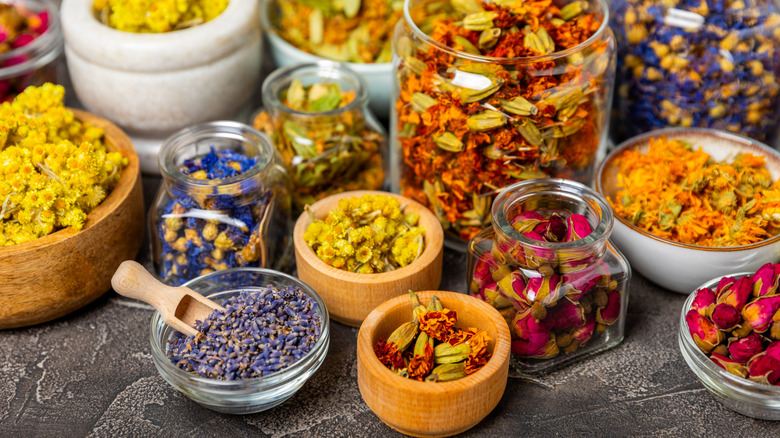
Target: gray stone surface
x: 91, y: 374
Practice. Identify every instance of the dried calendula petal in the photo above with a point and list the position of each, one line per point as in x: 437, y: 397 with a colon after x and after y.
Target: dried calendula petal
x: 486, y: 121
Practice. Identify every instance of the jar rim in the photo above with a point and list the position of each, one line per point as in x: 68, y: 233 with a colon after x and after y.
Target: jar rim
x: 603, y: 28
x: 600, y: 232
x: 323, y: 68
x: 43, y: 49
x: 222, y: 128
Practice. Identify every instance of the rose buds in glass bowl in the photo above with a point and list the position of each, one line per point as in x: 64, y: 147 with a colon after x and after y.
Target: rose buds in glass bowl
x: 547, y: 265
x: 730, y: 337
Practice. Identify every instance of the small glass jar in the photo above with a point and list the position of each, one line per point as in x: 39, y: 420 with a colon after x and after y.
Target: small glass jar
x: 563, y: 300
x: 697, y: 64
x: 34, y: 63
x: 326, y: 152
x: 466, y: 125
x: 200, y: 226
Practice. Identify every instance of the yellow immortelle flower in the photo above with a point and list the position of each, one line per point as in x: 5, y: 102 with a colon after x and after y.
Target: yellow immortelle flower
x: 54, y: 169
x: 367, y: 234
x: 157, y: 16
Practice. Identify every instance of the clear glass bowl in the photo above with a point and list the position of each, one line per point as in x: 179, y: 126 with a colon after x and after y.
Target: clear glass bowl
x: 240, y: 396
x: 749, y: 398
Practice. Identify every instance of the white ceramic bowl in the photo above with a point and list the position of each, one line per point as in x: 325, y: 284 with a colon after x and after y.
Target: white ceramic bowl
x: 379, y: 77
x: 677, y: 266
x: 159, y: 83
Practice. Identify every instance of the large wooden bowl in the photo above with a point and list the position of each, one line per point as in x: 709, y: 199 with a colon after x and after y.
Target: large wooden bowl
x: 425, y: 408
x: 350, y: 296
x: 59, y: 273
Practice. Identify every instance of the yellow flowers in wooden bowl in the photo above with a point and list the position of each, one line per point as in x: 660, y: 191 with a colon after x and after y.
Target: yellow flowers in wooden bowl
x: 358, y: 249
x: 71, y: 206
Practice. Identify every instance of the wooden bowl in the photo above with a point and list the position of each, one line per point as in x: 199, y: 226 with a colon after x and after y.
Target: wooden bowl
x: 424, y: 408
x: 350, y: 296
x: 59, y: 273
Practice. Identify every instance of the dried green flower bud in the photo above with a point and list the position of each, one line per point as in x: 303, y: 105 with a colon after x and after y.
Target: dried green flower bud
x: 446, y: 353
x: 547, y: 42
x: 414, y: 65
x: 573, y: 9
x: 466, y: 6
x: 403, y: 336
x: 469, y: 95
x: 446, y: 372
x: 529, y: 131
x: 449, y: 142
x: 421, y: 102
x: 466, y: 44
x: 351, y: 7
x: 532, y: 41
x: 488, y: 38
x: 316, y: 27
x: 479, y: 20
x: 519, y: 106
x: 486, y: 121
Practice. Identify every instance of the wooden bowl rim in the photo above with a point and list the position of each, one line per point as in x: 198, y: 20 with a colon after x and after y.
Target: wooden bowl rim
x: 642, y: 140
x: 498, y: 359
x: 434, y: 241
x: 124, y: 187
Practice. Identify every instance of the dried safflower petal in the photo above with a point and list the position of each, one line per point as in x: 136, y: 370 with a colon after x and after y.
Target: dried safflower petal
x: 704, y: 332
x: 538, y: 346
x: 609, y: 314
x: 744, y: 349
x: 737, y: 294
x: 736, y: 368
x: 704, y: 301
x: 760, y: 313
x: 577, y: 227
x: 725, y: 316
x: 765, y: 280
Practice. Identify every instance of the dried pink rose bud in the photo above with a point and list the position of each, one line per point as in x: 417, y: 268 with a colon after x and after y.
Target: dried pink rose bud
x: 583, y: 334
x: 483, y: 270
x: 704, y: 332
x: 493, y: 296
x: 527, y: 221
x: 566, y: 316
x: 546, y: 290
x: 609, y: 314
x: 765, y: 280
x: 534, y: 235
x: 704, y: 301
x: 525, y: 325
x: 579, y: 283
x: 764, y: 369
x: 539, y: 346
x: 513, y: 288
x: 577, y: 227
x: 725, y: 316
x: 555, y: 229
x: 773, y: 350
x: 729, y: 365
x: 744, y: 349
x: 723, y: 284
x: 737, y: 294
x: 762, y: 312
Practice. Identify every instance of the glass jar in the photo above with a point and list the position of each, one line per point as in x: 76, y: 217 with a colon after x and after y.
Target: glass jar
x: 563, y: 300
x: 465, y: 125
x: 200, y: 225
x: 35, y: 62
x: 326, y: 152
x: 705, y: 64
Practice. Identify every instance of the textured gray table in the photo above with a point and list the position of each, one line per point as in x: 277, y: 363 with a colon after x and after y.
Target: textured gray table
x: 91, y: 373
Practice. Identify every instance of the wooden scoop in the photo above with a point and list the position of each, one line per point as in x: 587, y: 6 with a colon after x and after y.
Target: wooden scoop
x: 179, y: 307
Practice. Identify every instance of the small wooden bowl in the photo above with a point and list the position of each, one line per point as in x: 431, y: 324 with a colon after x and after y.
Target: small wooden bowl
x: 59, y: 273
x: 350, y: 296
x: 424, y: 408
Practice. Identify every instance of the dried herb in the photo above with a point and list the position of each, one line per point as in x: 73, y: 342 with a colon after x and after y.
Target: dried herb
x: 458, y: 352
x: 327, y: 144
x: 347, y: 30
x: 467, y: 127
x: 677, y: 192
x: 156, y: 16
x: 733, y: 324
x: 705, y: 63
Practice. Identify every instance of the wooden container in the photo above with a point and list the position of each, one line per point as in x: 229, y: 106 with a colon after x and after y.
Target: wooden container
x: 59, y: 273
x: 350, y: 296
x: 424, y: 408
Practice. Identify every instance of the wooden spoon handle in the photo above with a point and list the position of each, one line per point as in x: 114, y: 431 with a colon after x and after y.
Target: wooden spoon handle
x: 132, y: 280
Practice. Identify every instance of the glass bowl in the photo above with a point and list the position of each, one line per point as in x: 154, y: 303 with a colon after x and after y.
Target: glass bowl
x: 240, y: 396
x: 749, y: 398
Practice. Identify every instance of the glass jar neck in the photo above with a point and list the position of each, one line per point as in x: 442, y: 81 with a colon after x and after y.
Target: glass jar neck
x: 197, y: 141
x: 314, y: 73
x: 554, y: 195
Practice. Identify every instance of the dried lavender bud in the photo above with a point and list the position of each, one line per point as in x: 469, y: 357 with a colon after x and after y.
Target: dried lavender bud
x: 260, y: 332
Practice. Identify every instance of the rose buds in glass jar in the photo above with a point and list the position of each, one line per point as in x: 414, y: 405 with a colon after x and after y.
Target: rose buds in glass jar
x: 547, y: 265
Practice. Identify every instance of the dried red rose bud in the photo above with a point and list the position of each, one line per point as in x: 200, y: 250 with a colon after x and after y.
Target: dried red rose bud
x: 555, y: 229
x: 737, y: 295
x: 729, y: 365
x: 493, y: 296
x: 764, y: 369
x: 525, y: 325
x: 577, y: 227
x: 773, y: 350
x: 483, y: 270
x: 765, y: 280
x: 723, y: 284
x: 539, y: 346
x: 527, y: 221
x: 725, y: 316
x: 761, y: 312
x: 566, y: 316
x: 546, y: 290
x: 583, y: 334
x: 744, y: 349
x: 609, y: 314
x: 704, y: 301
x: 704, y: 332
x: 513, y: 287
x: 534, y: 235
x: 580, y: 283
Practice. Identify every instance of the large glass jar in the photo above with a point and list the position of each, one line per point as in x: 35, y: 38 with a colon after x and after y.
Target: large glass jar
x: 33, y: 56
x: 339, y: 148
x: 466, y: 124
x: 563, y: 300
x: 709, y: 64
x: 201, y: 223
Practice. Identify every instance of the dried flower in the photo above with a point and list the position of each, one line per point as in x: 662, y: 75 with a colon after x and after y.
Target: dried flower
x: 156, y: 16
x: 742, y: 350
